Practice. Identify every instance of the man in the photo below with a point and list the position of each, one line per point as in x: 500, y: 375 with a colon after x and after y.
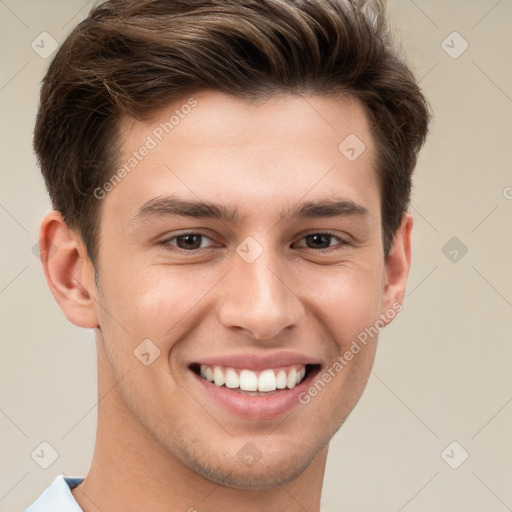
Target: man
x: 230, y: 182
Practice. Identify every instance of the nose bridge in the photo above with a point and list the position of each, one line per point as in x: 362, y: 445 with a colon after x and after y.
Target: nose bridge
x: 259, y: 299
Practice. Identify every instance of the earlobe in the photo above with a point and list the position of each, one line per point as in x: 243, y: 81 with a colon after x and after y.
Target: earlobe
x: 396, y: 269
x: 68, y: 271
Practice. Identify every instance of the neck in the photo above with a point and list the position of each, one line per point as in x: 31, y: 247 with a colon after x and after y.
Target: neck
x: 132, y: 470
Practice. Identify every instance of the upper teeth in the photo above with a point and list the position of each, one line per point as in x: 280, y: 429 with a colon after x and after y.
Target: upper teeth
x: 248, y: 380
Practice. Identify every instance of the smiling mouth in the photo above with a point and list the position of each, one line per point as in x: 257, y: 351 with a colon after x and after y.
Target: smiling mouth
x: 256, y: 383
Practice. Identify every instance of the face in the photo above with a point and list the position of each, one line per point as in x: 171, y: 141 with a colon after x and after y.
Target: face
x: 264, y: 284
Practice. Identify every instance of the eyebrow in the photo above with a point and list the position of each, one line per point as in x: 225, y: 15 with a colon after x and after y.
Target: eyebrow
x: 174, y: 206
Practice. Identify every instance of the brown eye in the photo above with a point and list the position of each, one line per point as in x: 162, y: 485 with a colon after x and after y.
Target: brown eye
x: 187, y: 241
x: 322, y: 241
x: 318, y: 240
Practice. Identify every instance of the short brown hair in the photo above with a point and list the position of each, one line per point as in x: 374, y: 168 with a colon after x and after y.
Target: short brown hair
x: 132, y: 57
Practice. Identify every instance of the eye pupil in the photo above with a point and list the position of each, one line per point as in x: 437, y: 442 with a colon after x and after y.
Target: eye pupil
x: 320, y: 238
x: 189, y: 240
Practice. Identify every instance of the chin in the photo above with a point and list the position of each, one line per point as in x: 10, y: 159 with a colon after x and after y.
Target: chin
x: 269, y: 471
x: 266, y: 477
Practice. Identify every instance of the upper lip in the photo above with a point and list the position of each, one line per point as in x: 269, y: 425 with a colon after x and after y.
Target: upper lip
x: 257, y: 361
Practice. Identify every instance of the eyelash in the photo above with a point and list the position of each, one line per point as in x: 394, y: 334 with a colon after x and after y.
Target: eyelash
x: 166, y: 243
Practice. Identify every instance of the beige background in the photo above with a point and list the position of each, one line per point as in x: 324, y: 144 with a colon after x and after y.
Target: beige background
x: 442, y: 372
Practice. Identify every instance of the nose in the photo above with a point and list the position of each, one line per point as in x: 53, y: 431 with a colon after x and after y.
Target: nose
x: 259, y: 298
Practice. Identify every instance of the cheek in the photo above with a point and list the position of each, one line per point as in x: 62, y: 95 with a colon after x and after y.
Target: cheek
x: 156, y: 302
x: 346, y: 300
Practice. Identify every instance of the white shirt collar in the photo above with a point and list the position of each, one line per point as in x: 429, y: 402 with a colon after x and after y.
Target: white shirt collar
x: 57, y: 496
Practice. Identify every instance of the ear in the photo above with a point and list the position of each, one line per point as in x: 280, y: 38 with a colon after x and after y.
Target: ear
x: 68, y: 270
x: 396, y: 270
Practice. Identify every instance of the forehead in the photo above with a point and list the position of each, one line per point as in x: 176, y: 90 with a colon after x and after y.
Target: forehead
x: 228, y: 150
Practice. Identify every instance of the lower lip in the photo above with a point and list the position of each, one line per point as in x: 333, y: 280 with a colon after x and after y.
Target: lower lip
x: 256, y: 407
